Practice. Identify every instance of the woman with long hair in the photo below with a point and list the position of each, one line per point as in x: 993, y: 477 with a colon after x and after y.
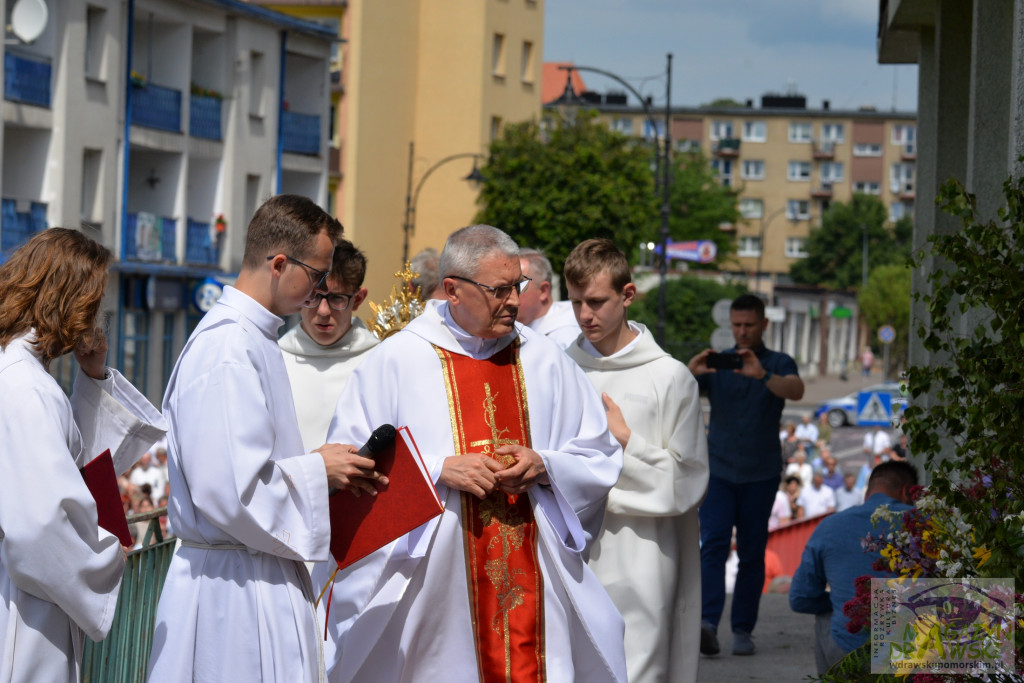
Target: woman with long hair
x: 59, y: 572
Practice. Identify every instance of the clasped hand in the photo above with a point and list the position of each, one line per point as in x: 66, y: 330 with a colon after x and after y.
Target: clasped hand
x: 349, y: 471
x: 481, y: 474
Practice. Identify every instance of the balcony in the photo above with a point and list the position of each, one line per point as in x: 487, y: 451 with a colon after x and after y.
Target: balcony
x: 154, y: 106
x: 200, y: 244
x: 728, y: 148
x: 150, y: 239
x: 27, y: 80
x: 907, y: 192
x: 204, y: 117
x: 908, y: 151
x: 823, y: 191
x: 825, y: 150
x: 300, y: 133
x: 17, y: 227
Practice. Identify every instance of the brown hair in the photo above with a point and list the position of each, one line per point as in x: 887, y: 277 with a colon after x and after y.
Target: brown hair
x: 349, y: 265
x: 287, y: 222
x: 54, y: 283
x: 594, y: 256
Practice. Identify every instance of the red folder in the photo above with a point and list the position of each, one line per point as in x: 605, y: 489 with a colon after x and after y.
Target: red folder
x: 362, y: 525
x: 101, y: 479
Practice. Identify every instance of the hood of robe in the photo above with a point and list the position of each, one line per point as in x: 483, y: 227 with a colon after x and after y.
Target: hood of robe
x: 355, y: 341
x: 645, y: 351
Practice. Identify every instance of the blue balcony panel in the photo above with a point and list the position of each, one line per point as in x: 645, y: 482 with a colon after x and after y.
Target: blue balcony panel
x: 154, y: 106
x: 300, y: 133
x: 26, y: 80
x: 204, y: 119
x: 200, y: 247
x: 16, y: 227
x: 155, y: 241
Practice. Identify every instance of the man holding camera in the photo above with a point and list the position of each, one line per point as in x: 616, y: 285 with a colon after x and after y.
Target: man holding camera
x: 747, y: 387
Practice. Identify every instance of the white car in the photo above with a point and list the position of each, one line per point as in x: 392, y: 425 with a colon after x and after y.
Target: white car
x: 843, y: 410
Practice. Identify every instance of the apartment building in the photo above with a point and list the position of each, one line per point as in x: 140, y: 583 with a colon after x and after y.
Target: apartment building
x: 159, y: 126
x: 425, y: 85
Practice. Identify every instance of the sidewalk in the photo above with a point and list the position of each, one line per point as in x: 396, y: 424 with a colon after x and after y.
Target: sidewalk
x: 785, y: 647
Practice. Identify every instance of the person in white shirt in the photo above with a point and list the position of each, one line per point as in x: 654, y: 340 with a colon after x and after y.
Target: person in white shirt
x: 848, y: 495
x: 877, y: 442
x: 807, y: 432
x: 146, y: 472
x: 322, y: 351
x: 817, y: 499
x: 537, y: 306
x: 800, y: 467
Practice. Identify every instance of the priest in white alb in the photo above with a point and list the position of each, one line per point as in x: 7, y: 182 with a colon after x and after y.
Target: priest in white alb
x: 517, y: 443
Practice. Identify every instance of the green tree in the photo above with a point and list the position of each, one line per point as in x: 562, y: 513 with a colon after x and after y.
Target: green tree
x: 886, y: 301
x: 688, y: 303
x: 699, y: 205
x: 724, y: 103
x: 552, y: 190
x: 834, y: 251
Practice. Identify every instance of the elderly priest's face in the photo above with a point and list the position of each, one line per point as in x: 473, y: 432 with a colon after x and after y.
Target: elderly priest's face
x: 476, y: 308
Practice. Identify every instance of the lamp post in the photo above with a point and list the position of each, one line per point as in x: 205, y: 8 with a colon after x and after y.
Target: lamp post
x: 412, y: 195
x: 765, y: 222
x: 569, y: 97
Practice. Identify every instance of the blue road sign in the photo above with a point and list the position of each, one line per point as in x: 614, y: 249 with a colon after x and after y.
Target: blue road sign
x: 874, y: 409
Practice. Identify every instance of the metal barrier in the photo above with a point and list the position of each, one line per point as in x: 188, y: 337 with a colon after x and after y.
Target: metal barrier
x: 124, y: 654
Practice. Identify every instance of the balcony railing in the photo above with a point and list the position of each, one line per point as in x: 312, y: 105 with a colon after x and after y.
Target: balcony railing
x: 27, y: 80
x: 300, y: 133
x: 17, y: 227
x: 204, y: 117
x: 824, y: 149
x: 200, y: 245
x: 150, y: 239
x: 727, y: 147
x: 154, y: 106
x: 823, y: 191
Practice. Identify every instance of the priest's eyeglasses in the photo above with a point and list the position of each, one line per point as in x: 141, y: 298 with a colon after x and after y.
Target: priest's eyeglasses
x: 337, y: 302
x: 501, y: 292
x: 319, y: 276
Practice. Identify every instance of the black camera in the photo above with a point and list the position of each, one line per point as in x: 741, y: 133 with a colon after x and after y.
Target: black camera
x: 725, y: 361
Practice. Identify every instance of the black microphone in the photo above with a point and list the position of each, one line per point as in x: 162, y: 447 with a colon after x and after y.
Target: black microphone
x: 381, y: 438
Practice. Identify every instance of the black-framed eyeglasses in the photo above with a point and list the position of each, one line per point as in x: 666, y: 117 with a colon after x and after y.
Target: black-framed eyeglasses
x: 337, y: 301
x: 319, y: 276
x: 501, y: 292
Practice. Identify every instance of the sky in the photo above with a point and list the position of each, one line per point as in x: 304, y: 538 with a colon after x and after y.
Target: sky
x: 741, y: 49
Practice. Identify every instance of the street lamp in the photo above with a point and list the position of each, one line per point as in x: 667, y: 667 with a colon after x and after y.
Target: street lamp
x: 569, y: 97
x: 412, y: 196
x: 765, y: 222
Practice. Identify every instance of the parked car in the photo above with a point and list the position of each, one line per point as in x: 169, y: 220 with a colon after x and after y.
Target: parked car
x: 843, y: 410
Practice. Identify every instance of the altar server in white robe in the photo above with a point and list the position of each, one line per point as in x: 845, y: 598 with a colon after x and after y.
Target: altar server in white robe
x: 516, y: 440
x: 328, y: 344
x: 247, y: 501
x: 648, y: 552
x: 59, y: 572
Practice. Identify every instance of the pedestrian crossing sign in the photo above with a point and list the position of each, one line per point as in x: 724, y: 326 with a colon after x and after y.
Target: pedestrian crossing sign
x: 874, y: 409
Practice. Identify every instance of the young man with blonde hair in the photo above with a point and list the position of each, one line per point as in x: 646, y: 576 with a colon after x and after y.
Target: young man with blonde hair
x: 647, y: 554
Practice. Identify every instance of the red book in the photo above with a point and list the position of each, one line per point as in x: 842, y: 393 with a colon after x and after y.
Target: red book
x: 362, y: 525
x: 101, y: 480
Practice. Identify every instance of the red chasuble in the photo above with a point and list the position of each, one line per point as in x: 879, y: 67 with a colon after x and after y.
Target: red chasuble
x: 487, y: 401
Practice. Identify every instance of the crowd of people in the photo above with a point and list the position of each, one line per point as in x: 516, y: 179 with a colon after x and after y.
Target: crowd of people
x: 588, y: 507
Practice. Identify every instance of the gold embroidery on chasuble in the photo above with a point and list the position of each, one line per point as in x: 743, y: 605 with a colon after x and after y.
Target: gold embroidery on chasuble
x: 487, y: 405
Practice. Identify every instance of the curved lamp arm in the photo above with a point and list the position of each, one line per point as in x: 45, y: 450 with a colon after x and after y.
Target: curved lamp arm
x: 643, y: 101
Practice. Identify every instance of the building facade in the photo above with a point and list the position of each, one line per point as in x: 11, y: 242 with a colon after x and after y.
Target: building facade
x: 159, y: 126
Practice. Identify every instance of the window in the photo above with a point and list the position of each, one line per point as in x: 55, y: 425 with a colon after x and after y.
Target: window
x: 753, y: 169
x: 903, y: 134
x: 868, y: 187
x: 832, y: 132
x: 623, y: 125
x: 92, y: 165
x: 95, y: 39
x: 498, y: 56
x: 495, y: 127
x: 796, y: 247
x: 901, y: 178
x: 133, y: 347
x: 654, y: 130
x: 799, y: 170
x: 864, y: 149
x: 527, y: 65
x: 800, y: 132
x: 723, y: 167
x: 257, y: 82
x: 687, y: 146
x: 754, y: 131
x: 898, y: 210
x: 748, y: 245
x: 168, y: 350
x: 798, y: 209
x: 751, y: 208
x: 831, y: 171
x: 720, y: 130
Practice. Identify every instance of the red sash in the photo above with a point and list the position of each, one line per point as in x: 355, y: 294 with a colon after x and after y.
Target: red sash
x: 487, y: 400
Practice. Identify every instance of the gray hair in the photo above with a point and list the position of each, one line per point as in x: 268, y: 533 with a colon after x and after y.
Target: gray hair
x: 540, y: 266
x: 425, y: 263
x: 466, y: 247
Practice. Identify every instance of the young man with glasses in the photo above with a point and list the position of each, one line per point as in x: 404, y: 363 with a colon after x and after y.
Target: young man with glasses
x: 248, y: 501
x: 328, y: 344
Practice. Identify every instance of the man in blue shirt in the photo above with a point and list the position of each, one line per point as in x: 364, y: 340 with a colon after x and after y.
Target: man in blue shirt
x: 834, y: 557
x: 746, y: 463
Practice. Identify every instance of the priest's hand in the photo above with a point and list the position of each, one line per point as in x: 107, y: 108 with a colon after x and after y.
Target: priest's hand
x: 473, y: 473
x: 528, y: 470
x: 350, y: 471
x: 616, y: 422
x: 91, y: 354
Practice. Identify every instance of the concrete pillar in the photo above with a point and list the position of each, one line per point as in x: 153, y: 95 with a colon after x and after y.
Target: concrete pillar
x: 1017, y: 91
